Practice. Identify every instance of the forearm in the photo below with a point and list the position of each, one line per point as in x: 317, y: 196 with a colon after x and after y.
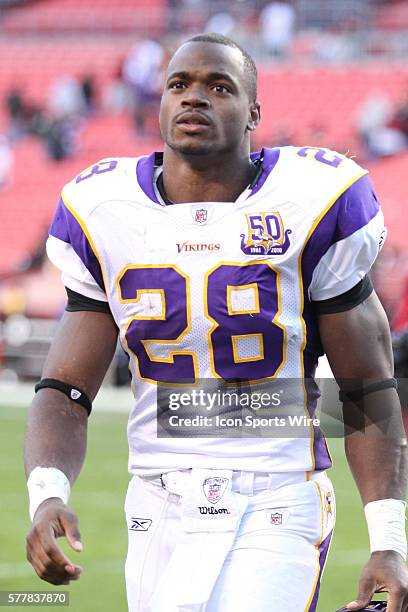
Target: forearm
x: 56, y: 434
x: 80, y: 355
x: 378, y: 461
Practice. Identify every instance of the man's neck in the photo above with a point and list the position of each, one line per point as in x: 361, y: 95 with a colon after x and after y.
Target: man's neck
x: 198, y: 179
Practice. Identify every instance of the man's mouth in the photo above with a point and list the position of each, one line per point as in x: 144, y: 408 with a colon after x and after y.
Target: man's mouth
x: 192, y: 122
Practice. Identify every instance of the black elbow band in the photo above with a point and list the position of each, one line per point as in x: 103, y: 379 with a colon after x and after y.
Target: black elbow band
x: 74, y: 394
x: 355, y: 396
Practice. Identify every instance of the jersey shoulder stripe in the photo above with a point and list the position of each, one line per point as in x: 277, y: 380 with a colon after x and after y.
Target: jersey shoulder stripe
x: 313, y: 178
x: 101, y: 182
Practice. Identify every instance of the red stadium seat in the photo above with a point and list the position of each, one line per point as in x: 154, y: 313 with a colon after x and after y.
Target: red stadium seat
x: 392, y: 16
x: 145, y: 16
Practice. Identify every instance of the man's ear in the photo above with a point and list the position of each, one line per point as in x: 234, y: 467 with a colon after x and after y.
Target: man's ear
x: 254, y: 116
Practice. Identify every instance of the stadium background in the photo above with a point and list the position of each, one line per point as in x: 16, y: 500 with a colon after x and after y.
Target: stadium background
x: 79, y: 81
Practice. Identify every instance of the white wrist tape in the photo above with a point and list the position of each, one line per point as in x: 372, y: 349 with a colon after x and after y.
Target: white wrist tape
x: 386, y: 525
x: 44, y: 483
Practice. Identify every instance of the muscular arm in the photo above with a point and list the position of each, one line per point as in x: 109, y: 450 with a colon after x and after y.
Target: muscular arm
x: 80, y: 355
x: 358, y: 346
x: 56, y: 434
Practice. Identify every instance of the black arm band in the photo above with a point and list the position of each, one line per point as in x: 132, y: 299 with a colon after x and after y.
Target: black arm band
x: 346, y: 301
x: 74, y: 394
x: 78, y: 303
x: 354, y: 396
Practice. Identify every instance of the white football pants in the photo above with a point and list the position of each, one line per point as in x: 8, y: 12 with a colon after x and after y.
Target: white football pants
x: 271, y: 560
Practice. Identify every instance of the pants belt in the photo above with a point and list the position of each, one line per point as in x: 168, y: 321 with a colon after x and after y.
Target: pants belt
x: 246, y: 483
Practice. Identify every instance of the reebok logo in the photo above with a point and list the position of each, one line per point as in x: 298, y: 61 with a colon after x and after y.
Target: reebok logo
x: 199, y: 247
x: 75, y: 394
x: 139, y: 524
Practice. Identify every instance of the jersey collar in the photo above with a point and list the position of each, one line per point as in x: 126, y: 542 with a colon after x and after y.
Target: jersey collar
x: 145, y: 173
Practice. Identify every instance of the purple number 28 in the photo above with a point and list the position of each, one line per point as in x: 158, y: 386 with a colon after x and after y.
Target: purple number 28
x: 173, y: 322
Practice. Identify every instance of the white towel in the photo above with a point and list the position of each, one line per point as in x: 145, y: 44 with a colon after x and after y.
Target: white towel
x: 211, y: 515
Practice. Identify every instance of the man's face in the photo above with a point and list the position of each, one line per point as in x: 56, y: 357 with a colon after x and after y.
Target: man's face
x: 205, y: 106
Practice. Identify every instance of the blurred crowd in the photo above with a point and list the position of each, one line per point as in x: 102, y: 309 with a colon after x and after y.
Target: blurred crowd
x: 382, y: 126
x: 134, y: 88
x: 274, y: 31
x: 56, y: 123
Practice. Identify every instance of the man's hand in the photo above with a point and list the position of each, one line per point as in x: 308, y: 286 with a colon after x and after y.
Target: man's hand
x: 385, y: 571
x: 52, y: 520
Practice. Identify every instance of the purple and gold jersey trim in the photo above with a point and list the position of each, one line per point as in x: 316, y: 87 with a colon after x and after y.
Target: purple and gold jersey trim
x: 322, y: 550
x: 348, y: 212
x: 146, y: 165
x: 144, y: 174
x: 68, y: 227
x: 318, y: 445
x: 270, y: 158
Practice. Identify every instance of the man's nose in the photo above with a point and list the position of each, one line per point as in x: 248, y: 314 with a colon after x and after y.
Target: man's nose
x: 196, y: 97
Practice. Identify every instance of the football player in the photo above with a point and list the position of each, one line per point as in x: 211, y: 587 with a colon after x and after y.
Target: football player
x: 215, y: 263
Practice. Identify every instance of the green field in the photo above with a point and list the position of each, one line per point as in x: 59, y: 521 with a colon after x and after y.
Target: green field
x: 98, y: 499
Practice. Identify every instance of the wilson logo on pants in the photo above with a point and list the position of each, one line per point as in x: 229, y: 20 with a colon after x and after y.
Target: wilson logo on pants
x: 212, y: 510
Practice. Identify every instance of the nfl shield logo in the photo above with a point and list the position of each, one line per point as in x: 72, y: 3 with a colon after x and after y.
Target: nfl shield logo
x: 200, y: 215
x: 276, y: 519
x: 214, y: 488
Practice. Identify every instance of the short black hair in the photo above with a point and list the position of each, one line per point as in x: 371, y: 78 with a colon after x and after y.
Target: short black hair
x: 250, y: 70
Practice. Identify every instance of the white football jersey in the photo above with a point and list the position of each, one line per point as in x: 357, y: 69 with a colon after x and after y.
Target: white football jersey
x: 220, y: 291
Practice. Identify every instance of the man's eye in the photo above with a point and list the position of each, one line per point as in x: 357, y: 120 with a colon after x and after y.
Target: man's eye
x: 177, y: 85
x: 221, y: 88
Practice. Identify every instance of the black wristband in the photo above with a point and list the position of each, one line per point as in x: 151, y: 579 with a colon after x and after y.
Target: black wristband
x: 354, y: 396
x: 73, y: 393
